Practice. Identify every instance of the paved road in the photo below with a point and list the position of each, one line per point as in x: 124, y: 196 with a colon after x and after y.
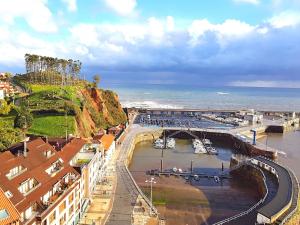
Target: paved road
x: 126, y: 191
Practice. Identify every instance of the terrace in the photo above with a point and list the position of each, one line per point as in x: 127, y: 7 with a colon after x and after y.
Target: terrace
x: 59, y: 190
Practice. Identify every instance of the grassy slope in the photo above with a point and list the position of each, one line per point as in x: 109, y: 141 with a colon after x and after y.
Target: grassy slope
x: 52, y: 125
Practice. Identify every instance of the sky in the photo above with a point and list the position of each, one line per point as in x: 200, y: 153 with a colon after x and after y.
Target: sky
x: 204, y: 42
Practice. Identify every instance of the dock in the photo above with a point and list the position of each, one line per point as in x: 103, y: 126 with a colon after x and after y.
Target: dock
x: 185, y: 174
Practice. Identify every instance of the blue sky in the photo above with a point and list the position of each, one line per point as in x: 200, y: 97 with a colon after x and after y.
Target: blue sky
x: 220, y: 42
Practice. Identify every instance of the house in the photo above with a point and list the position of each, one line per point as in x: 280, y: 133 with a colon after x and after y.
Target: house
x: 8, y: 213
x: 89, y: 161
x: 41, y: 184
x: 2, y: 94
x: 109, y: 145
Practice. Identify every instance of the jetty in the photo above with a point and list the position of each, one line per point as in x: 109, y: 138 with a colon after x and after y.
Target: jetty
x: 184, y: 174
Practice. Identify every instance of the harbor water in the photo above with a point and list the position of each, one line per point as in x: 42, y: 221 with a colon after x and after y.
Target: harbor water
x: 182, y: 201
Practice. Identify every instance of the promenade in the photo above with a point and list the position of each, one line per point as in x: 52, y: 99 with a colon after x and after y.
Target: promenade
x: 129, y: 205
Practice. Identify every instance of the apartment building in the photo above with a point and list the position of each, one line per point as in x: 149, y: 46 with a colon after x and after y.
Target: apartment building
x: 41, y: 184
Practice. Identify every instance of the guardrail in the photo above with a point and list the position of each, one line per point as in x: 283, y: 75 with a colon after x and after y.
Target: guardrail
x: 250, y: 209
x: 125, y: 163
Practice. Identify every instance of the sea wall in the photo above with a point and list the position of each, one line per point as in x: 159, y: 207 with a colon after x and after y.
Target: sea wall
x: 249, y: 175
x: 140, y: 137
x: 240, y: 146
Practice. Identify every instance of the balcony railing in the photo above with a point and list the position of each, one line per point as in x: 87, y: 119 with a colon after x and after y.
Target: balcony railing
x: 10, y: 177
x: 44, y: 207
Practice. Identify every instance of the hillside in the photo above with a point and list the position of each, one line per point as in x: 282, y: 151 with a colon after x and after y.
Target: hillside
x: 80, y: 109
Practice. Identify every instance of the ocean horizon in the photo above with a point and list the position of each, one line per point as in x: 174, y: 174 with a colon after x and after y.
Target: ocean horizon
x: 177, y: 96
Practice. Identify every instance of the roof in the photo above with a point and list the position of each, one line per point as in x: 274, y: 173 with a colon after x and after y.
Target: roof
x: 284, y: 192
x: 107, y: 140
x: 12, y: 212
x: 35, y: 165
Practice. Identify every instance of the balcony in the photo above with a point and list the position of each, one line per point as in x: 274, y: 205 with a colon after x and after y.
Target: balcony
x: 55, y: 168
x: 62, y: 188
x: 12, y: 175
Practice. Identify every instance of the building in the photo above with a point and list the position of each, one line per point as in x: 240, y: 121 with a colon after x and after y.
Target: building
x: 90, y: 162
x: 8, y: 213
x: 42, y: 184
x: 109, y: 145
x: 2, y: 95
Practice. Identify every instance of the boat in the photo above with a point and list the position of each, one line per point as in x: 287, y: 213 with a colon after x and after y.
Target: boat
x: 171, y: 143
x: 199, y: 147
x: 196, y: 177
x: 212, y: 151
x: 200, y: 150
x: 206, y: 141
x: 217, y: 179
x: 175, y: 169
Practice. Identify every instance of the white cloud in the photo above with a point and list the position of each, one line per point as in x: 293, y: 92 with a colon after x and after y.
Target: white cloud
x: 170, y: 23
x: 228, y: 29
x: 85, y: 34
x: 71, y: 5
x: 285, y: 19
x: 34, y: 12
x: 254, y: 2
x: 122, y: 7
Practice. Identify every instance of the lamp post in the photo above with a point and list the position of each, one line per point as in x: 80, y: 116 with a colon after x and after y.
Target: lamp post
x: 151, y: 181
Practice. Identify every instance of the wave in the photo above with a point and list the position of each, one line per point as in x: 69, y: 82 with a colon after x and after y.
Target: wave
x: 222, y: 93
x: 149, y: 105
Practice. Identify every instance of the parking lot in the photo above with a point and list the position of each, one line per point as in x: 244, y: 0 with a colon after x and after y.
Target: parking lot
x: 187, y: 121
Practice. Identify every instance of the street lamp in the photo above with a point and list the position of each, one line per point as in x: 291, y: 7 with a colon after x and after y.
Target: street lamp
x: 151, y: 181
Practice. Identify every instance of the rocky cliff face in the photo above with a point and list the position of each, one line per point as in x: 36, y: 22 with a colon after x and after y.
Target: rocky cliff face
x: 100, y: 109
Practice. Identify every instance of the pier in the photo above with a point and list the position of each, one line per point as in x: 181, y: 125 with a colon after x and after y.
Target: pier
x: 186, y: 175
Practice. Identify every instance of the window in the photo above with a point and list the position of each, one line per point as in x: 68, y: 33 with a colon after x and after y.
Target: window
x: 15, y: 172
x: 8, y: 194
x: 27, y: 186
x: 71, y: 197
x: 62, y: 219
x: 62, y: 207
x: 71, y: 210
x: 3, y: 214
x: 52, y: 217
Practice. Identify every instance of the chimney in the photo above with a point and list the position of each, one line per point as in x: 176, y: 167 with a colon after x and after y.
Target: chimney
x: 25, y: 148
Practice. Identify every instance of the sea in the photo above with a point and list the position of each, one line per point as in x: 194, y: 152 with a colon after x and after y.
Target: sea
x: 199, y: 97
x: 182, y: 96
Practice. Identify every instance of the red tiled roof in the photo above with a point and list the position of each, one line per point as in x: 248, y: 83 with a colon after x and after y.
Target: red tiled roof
x: 13, y: 214
x: 36, y: 163
x: 107, y: 141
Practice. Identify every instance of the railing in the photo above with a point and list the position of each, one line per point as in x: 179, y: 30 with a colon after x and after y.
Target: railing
x: 252, y: 208
x: 10, y: 177
x: 125, y: 160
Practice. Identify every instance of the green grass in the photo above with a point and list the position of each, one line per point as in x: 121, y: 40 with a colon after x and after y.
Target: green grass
x: 53, y: 97
x: 52, y: 125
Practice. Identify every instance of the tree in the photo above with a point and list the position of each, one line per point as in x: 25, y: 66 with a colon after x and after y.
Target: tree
x: 96, y: 80
x: 4, y: 107
x: 24, y: 119
x: 8, y: 135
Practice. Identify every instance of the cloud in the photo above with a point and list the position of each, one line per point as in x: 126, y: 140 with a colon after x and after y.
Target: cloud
x: 285, y: 19
x: 34, y: 12
x: 122, y: 7
x: 228, y: 29
x: 254, y: 2
x: 71, y: 5
x: 219, y: 53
